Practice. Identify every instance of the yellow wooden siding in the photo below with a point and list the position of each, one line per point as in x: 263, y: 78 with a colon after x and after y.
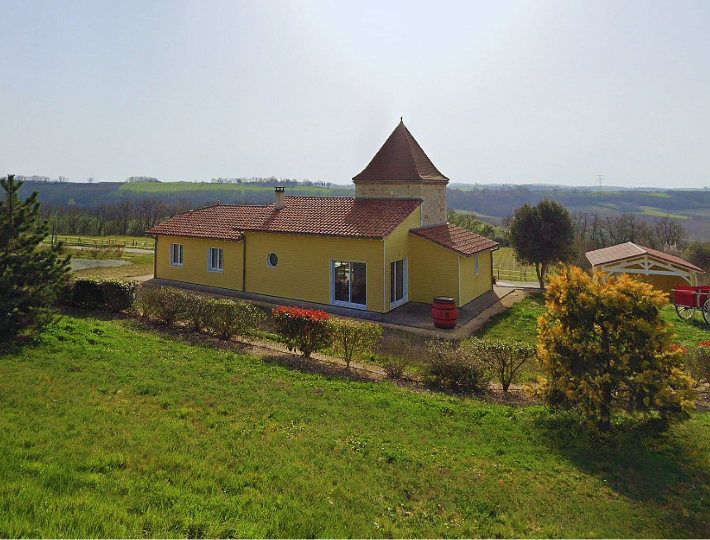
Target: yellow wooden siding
x: 397, y: 248
x: 472, y: 285
x: 434, y: 271
x: 194, y: 258
x: 304, y: 268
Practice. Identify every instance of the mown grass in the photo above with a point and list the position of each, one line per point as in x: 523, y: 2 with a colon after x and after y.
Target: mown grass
x: 519, y: 323
x: 111, y: 431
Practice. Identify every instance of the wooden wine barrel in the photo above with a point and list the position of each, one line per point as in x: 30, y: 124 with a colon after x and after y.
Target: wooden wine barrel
x: 443, y: 311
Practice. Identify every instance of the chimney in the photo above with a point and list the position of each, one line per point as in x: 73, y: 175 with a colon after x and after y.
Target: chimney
x: 279, y: 201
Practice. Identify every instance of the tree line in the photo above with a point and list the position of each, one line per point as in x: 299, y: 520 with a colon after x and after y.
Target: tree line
x: 593, y: 231
x: 125, y: 218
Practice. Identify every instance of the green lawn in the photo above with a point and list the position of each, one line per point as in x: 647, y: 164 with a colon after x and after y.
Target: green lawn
x: 519, y: 323
x: 108, y: 430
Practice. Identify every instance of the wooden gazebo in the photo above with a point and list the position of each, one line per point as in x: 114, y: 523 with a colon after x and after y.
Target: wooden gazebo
x: 661, y: 270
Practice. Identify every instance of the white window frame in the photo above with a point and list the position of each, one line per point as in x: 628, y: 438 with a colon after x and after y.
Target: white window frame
x: 405, y: 293
x: 335, y: 302
x: 220, y: 260
x: 181, y: 249
x: 475, y: 264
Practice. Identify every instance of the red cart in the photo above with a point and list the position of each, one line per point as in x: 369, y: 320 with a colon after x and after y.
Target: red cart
x: 688, y: 299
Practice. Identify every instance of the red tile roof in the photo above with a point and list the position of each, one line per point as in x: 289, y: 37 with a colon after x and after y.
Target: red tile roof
x: 321, y: 216
x: 628, y: 250
x: 455, y: 239
x: 401, y: 159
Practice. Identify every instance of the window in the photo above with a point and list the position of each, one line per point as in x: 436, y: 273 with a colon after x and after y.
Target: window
x: 475, y: 264
x: 398, y: 282
x: 272, y: 260
x: 349, y: 284
x: 214, y: 259
x: 175, y: 254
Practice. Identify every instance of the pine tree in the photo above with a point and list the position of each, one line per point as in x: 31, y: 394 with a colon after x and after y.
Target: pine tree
x: 31, y: 276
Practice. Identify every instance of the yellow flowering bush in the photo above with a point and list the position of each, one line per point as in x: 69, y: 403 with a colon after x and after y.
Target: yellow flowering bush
x: 604, y: 349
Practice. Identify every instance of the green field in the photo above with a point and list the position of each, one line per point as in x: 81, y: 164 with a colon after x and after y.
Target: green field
x: 110, y: 430
x: 507, y: 267
x: 658, y: 212
x: 143, y: 242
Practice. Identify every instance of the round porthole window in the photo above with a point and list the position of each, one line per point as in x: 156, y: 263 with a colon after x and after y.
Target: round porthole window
x: 272, y: 260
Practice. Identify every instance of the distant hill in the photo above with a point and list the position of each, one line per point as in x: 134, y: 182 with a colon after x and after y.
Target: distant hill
x: 491, y: 202
x: 196, y: 193
x: 691, y: 207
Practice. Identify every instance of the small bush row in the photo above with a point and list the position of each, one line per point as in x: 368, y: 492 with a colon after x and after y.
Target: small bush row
x: 454, y: 368
x: 111, y: 294
x: 225, y: 318
x: 309, y: 330
x: 697, y: 361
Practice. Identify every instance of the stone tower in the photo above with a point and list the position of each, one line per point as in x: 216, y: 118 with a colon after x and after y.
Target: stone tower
x: 401, y: 170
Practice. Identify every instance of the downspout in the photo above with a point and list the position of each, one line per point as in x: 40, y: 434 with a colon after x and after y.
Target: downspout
x: 458, y: 300
x: 384, y: 276
x: 494, y: 249
x: 155, y: 257
x: 244, y: 265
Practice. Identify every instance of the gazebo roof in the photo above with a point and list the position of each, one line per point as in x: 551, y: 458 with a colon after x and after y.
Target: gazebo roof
x: 629, y: 250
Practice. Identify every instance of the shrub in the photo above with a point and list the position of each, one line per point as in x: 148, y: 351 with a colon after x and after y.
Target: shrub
x: 395, y: 367
x: 453, y: 368
x: 353, y: 337
x: 196, y: 310
x: 402, y: 344
x: 228, y: 318
x: 303, y: 329
x: 697, y: 362
x: 165, y: 303
x: 113, y: 294
x: 86, y: 293
x: 500, y: 358
x: 98, y: 251
x: 118, y: 294
x: 604, y: 349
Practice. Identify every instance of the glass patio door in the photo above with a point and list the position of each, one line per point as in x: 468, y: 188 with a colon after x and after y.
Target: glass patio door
x: 349, y: 284
x: 398, y: 282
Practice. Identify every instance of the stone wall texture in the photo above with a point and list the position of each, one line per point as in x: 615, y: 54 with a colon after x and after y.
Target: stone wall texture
x: 433, y: 195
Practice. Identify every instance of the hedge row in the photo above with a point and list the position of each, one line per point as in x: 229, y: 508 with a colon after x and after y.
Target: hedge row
x: 225, y: 318
x: 111, y: 294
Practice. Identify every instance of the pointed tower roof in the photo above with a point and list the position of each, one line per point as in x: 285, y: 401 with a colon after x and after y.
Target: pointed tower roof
x: 401, y: 159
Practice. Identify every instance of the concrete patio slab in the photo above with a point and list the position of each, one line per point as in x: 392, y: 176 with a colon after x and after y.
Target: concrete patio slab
x: 413, y: 316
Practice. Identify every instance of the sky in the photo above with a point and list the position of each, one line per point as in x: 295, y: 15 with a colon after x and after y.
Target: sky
x: 506, y: 92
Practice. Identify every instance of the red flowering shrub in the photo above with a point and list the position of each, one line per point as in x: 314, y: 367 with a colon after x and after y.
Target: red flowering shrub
x: 303, y: 329
x: 676, y: 347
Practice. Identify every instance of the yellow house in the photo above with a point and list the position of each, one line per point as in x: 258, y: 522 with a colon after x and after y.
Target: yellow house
x: 388, y: 245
